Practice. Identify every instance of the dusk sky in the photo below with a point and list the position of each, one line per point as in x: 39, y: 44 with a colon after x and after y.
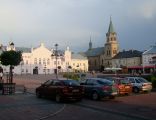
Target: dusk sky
x: 72, y: 22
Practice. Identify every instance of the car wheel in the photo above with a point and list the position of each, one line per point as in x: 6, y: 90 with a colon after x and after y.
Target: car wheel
x: 38, y: 94
x: 136, y: 90
x: 58, y: 98
x: 95, y: 96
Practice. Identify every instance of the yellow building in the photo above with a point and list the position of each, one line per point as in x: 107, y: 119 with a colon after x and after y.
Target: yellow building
x: 79, y: 63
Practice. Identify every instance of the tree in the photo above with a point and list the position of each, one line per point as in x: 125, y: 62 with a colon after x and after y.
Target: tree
x: 12, y: 58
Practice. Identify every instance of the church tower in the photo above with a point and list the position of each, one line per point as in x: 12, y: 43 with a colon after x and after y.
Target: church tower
x: 90, y: 44
x: 111, y: 46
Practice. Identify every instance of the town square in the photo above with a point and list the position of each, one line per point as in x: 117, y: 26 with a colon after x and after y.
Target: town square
x: 72, y: 60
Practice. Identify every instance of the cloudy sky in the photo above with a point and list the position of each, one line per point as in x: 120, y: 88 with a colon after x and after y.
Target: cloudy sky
x: 71, y: 22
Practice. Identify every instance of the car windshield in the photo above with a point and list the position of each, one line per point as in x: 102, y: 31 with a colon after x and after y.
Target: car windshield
x: 105, y: 82
x: 142, y: 80
x: 124, y: 81
x: 71, y: 82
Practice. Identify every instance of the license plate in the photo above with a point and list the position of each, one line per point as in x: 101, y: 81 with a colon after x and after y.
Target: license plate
x: 127, y: 87
x: 75, y: 90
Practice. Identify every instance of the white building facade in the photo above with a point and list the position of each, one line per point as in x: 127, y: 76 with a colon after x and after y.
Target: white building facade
x: 149, y: 59
x: 42, y: 60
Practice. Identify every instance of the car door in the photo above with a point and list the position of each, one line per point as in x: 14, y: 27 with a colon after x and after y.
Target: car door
x: 45, y: 87
x: 89, y: 86
x: 53, y: 88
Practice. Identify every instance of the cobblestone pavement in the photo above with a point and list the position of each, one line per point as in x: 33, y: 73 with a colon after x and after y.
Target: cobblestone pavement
x: 26, y: 107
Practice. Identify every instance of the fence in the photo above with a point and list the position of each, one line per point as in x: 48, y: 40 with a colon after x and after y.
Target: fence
x: 8, y: 88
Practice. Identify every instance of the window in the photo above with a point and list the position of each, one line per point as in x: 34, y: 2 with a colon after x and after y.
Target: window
x: 90, y: 82
x: 102, y: 61
x: 48, y: 82
x: 89, y: 62
x: 48, y: 61
x: 114, y: 51
x: 131, y: 80
x: 40, y: 61
x: 26, y: 62
x: 44, y: 62
x: 35, y: 61
x: 57, y: 83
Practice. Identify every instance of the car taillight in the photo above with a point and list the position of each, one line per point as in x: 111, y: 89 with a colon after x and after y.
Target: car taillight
x: 65, y: 90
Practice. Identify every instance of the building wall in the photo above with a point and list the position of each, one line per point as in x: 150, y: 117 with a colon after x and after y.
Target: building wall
x: 135, y: 61
x: 42, y: 59
x: 94, y: 63
x: 147, y: 59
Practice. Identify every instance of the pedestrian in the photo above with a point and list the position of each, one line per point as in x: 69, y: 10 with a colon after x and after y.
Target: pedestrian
x: 1, y: 74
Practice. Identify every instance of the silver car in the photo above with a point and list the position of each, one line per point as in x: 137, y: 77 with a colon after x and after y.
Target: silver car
x: 140, y: 84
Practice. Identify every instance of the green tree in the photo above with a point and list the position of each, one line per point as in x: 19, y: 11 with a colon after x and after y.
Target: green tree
x: 12, y: 58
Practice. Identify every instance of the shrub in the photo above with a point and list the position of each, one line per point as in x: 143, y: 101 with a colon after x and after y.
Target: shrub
x: 153, y: 80
x: 71, y: 76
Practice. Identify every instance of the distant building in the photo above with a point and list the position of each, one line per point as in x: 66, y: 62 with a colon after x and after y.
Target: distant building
x: 79, y: 62
x: 101, y: 57
x: 149, y: 60
x: 41, y: 60
x: 132, y: 60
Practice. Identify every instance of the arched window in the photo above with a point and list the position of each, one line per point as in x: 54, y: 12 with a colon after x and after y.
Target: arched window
x: 102, y: 61
x: 95, y: 62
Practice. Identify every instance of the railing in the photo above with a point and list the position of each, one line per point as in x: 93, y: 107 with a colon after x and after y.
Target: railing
x: 8, y: 88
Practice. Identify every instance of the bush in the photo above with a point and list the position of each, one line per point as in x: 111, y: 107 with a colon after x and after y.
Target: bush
x: 153, y: 80
x: 71, y: 76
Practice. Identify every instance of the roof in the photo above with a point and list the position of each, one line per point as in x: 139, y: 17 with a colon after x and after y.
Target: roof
x: 152, y: 50
x: 94, y: 52
x: 78, y: 56
x: 23, y: 49
x: 111, y: 28
x: 128, y: 54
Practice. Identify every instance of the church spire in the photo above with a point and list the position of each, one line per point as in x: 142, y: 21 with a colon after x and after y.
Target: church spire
x: 90, y: 44
x: 111, y: 28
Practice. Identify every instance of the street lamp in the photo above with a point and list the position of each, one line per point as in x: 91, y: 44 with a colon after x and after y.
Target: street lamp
x: 56, y: 55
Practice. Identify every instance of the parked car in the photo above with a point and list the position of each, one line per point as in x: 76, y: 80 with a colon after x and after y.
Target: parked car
x: 140, y: 84
x: 61, y: 90
x: 98, y: 88
x: 124, y: 86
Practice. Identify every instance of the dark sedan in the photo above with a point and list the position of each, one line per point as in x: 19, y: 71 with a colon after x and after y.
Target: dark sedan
x: 61, y: 90
x: 97, y: 88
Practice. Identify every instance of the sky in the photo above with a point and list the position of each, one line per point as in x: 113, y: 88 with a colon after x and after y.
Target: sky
x: 71, y: 23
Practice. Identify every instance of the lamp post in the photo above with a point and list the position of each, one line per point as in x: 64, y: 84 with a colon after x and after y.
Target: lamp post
x: 56, y: 55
